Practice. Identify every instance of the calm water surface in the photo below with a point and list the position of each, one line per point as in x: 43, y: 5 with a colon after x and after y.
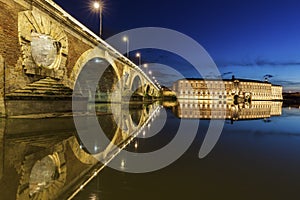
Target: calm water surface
x: 253, y: 159
x: 257, y: 158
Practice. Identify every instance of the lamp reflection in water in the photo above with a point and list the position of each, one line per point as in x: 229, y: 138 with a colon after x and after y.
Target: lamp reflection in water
x: 123, y: 164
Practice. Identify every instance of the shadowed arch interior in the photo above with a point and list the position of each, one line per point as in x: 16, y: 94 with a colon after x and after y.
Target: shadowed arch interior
x: 97, y: 80
x: 147, y: 89
x: 137, y: 89
x: 137, y: 85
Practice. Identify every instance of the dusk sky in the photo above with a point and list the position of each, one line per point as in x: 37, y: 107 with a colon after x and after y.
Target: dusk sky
x: 245, y: 38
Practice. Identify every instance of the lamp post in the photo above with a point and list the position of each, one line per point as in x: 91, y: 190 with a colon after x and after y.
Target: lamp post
x: 98, y: 5
x: 125, y: 39
x: 146, y: 67
x: 139, y: 56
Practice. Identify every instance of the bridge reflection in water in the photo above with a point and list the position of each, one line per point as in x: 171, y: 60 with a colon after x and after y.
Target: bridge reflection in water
x: 203, y: 109
x: 45, y: 158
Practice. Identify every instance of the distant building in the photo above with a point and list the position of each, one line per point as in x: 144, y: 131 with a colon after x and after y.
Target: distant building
x: 227, y: 89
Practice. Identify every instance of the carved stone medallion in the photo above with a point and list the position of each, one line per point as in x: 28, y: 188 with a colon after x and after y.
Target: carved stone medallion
x: 44, y: 44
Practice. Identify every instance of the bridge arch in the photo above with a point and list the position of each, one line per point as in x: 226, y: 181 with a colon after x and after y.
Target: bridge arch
x: 80, y: 154
x: 85, y: 58
x: 136, y: 84
x: 147, y: 90
x: 152, y: 92
x: 136, y: 87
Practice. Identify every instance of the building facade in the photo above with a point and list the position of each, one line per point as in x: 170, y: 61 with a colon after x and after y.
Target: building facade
x: 227, y: 89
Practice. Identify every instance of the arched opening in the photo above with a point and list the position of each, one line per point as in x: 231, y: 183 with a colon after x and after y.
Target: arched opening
x: 137, y: 89
x: 136, y: 112
x: 148, y: 89
x: 236, y: 99
x: 97, y: 80
x: 108, y: 84
x: 108, y: 125
x: 248, y: 97
x: 149, y: 93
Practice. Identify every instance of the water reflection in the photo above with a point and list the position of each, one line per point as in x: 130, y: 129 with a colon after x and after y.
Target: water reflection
x: 201, y: 109
x: 44, y: 173
x: 46, y: 158
x: 252, y: 159
x: 130, y: 120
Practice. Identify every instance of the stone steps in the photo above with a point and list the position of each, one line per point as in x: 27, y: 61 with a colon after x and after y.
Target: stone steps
x: 42, y: 92
x: 47, y: 87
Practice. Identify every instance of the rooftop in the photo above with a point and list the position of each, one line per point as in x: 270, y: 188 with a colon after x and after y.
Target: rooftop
x: 219, y: 79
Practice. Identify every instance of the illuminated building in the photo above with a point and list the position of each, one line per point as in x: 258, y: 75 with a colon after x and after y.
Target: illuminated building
x: 227, y: 89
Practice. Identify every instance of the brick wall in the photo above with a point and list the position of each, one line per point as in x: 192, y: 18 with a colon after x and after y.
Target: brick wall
x: 2, y: 107
x: 10, y: 48
x: 76, y: 49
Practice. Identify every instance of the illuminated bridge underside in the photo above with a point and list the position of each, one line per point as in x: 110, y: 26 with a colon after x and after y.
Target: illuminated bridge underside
x: 43, y: 51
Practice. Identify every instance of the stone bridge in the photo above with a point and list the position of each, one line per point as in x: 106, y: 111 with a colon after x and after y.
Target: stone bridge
x: 43, y: 50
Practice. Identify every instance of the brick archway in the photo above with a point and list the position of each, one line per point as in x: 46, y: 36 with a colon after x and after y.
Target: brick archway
x: 84, y: 59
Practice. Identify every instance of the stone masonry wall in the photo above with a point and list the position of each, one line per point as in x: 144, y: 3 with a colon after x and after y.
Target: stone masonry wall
x: 2, y: 106
x: 76, y: 49
x: 10, y: 50
x: 10, y: 47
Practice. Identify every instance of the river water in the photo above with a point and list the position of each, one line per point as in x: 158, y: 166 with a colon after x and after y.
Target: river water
x: 256, y: 156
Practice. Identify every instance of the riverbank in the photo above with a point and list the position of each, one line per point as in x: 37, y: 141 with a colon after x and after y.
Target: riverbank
x: 291, y: 99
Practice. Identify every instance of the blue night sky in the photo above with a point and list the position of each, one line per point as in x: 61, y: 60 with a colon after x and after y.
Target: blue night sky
x: 245, y: 38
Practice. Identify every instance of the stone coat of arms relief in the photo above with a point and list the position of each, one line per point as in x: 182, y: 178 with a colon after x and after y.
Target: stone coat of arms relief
x: 44, y: 45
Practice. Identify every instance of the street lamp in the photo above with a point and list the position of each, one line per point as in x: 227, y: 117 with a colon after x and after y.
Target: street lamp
x: 98, y: 5
x: 145, y: 65
x: 125, y: 39
x: 138, y: 55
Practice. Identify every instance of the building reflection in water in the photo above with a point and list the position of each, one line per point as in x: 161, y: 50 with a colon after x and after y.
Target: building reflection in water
x: 45, y: 159
x: 204, y: 109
